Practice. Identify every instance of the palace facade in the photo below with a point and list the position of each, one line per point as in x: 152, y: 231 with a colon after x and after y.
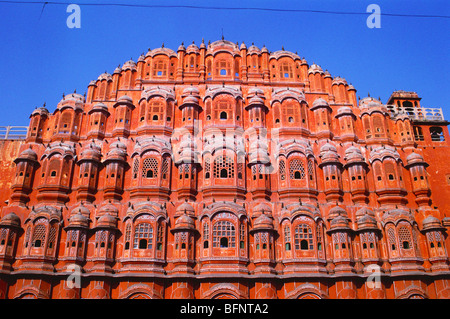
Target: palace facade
x: 227, y: 171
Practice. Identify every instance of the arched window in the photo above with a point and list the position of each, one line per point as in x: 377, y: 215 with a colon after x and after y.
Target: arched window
x: 159, y: 68
x: 143, y: 236
x: 303, y: 237
x: 286, y: 71
x: 223, y: 68
x: 207, y: 168
x: 378, y: 125
x: 223, y: 109
x: 437, y: 134
x: 418, y: 133
x: 282, y: 170
x: 287, y: 237
x: 290, y: 112
x: 39, y: 235
x: 391, y: 238
x: 150, y: 168
x: 205, y: 234
x: 223, y: 167
x: 390, y: 171
x: 127, y: 236
x: 156, y: 110
x: 296, y: 169
x: 224, y: 234
x: 65, y: 123
x: 135, y: 167
x: 404, y: 236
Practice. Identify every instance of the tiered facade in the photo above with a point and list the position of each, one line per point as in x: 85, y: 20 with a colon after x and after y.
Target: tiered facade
x: 222, y: 171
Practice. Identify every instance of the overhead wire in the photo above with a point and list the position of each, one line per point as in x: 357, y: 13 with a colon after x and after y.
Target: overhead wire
x: 164, y: 6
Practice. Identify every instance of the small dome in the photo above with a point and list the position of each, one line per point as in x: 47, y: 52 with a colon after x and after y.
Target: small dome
x: 117, y: 70
x: 181, y: 47
x: 191, y: 90
x: 107, y: 221
x: 10, y: 219
x: 192, y: 48
x: 263, y: 222
x: 256, y: 100
x: 336, y: 211
x: 328, y: 147
x: 366, y: 222
x: 40, y: 110
x: 364, y: 211
x: 369, y: 102
x: 27, y: 154
x: 314, y: 68
x: 414, y: 158
x: 81, y: 209
x: 91, y: 151
x: 129, y: 65
x: 353, y: 154
x: 105, y: 76
x: 185, y: 208
x: 109, y: 209
x: 243, y: 46
x: 338, y: 80
x: 262, y: 208
x: 184, y: 222
x: 253, y: 49
x: 125, y: 98
x: 79, y: 220
x: 339, y: 222
x: 190, y: 99
x: 99, y: 107
x: 117, y: 151
x: 431, y: 222
x: 344, y: 110
x: 255, y: 91
x: 319, y: 102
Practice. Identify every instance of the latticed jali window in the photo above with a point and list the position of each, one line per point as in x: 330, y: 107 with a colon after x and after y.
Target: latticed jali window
x: 159, y: 68
x: 128, y: 233
x: 150, y: 168
x: 296, y: 169
x: 303, y: 237
x: 286, y: 70
x: 52, y: 236
x: 206, y: 231
x: 207, y: 167
x: 39, y: 234
x: 223, y: 167
x: 224, y: 234
x: 282, y: 170
x: 156, y: 111
x: 404, y: 235
x: 311, y: 169
x: 391, y: 238
x: 165, y: 168
x: 143, y: 236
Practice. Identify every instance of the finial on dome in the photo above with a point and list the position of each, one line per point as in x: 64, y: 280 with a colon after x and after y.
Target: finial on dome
x: 162, y: 45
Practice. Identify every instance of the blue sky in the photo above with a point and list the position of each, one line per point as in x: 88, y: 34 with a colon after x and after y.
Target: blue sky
x: 41, y: 58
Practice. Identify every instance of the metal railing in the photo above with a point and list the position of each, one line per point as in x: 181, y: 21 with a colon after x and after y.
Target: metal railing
x: 417, y: 113
x: 13, y: 132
